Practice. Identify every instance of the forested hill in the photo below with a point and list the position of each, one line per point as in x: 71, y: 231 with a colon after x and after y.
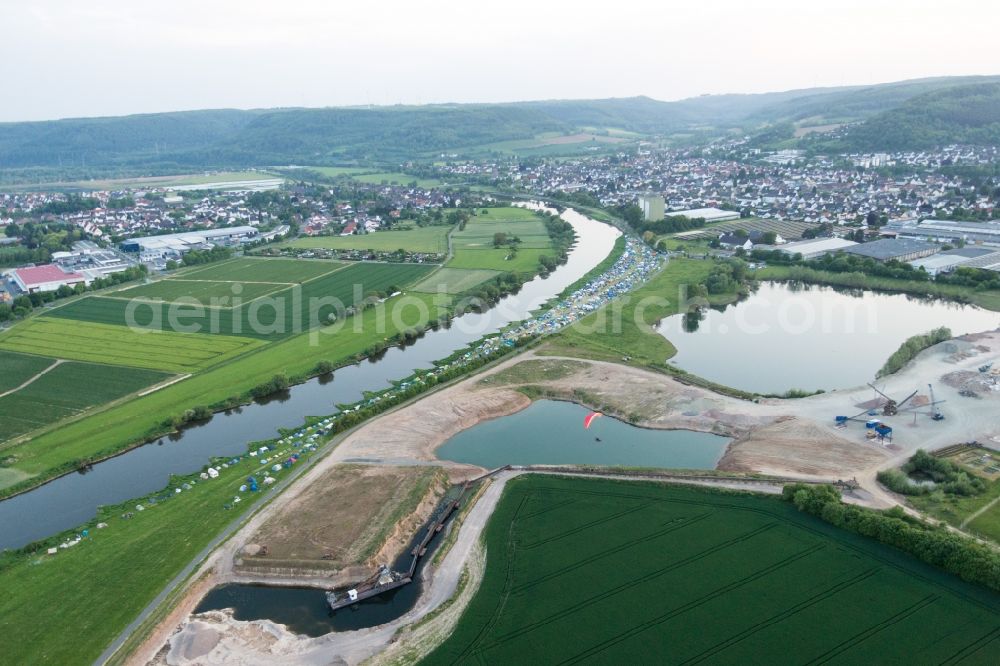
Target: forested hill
x: 906, y: 114
x: 965, y: 114
x: 276, y: 136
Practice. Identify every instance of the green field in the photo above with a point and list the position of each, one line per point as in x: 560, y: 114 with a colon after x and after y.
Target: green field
x: 454, y: 280
x: 283, y: 314
x: 420, y: 239
x: 473, y: 246
x: 334, y: 172
x: 525, y: 261
x: 208, y: 292
x: 513, y: 221
x: 613, y: 572
x: 67, y: 390
x: 19, y: 368
x: 396, y: 178
x: 120, y: 345
x: 246, y: 269
x: 241, y: 279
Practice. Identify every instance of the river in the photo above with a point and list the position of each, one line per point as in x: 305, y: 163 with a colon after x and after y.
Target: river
x: 73, y: 499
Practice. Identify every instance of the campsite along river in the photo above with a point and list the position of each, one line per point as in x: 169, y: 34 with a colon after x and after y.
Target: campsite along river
x: 73, y: 499
x: 809, y: 337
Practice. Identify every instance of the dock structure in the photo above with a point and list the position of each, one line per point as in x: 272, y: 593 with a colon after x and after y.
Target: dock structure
x: 385, y: 579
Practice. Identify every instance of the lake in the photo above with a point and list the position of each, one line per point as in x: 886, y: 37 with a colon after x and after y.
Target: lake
x: 552, y: 433
x: 792, y: 336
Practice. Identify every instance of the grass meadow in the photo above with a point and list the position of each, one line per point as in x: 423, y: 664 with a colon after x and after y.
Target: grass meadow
x: 454, y: 280
x: 255, y: 269
x: 608, y: 571
x: 421, y: 239
x: 203, y: 291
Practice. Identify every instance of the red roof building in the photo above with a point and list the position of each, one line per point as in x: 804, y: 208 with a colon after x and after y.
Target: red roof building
x: 45, y: 278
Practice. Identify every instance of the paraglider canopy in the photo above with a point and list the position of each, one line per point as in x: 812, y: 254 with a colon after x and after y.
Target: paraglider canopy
x: 590, y: 419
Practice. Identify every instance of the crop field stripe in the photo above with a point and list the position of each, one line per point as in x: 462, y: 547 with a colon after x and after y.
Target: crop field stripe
x: 862, y: 636
x: 551, y: 507
x: 831, y: 591
x: 587, y: 526
x: 694, y: 603
x: 612, y: 551
x: 640, y: 580
x: 972, y: 648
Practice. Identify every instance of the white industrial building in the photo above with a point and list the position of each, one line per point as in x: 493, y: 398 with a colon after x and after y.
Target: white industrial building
x: 816, y: 247
x: 708, y: 214
x: 174, y: 245
x: 946, y: 231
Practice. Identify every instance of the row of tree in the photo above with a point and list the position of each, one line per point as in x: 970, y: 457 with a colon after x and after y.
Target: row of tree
x: 952, y: 552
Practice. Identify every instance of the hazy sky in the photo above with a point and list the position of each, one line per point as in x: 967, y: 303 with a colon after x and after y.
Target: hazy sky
x: 63, y: 58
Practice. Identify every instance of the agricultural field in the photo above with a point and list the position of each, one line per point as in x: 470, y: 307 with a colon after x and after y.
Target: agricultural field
x: 787, y: 229
x: 121, y: 345
x: 454, y: 280
x: 207, y: 292
x: 246, y: 269
x: 616, y: 572
x: 420, y: 239
x: 396, y: 178
x: 284, y: 313
x: 525, y: 260
x: 473, y: 246
x: 19, y: 368
x: 513, y: 221
x: 334, y: 172
x: 245, y: 279
x: 68, y: 389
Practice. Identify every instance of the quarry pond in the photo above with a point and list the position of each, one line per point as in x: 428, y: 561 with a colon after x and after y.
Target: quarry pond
x: 552, y: 433
x: 809, y: 337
